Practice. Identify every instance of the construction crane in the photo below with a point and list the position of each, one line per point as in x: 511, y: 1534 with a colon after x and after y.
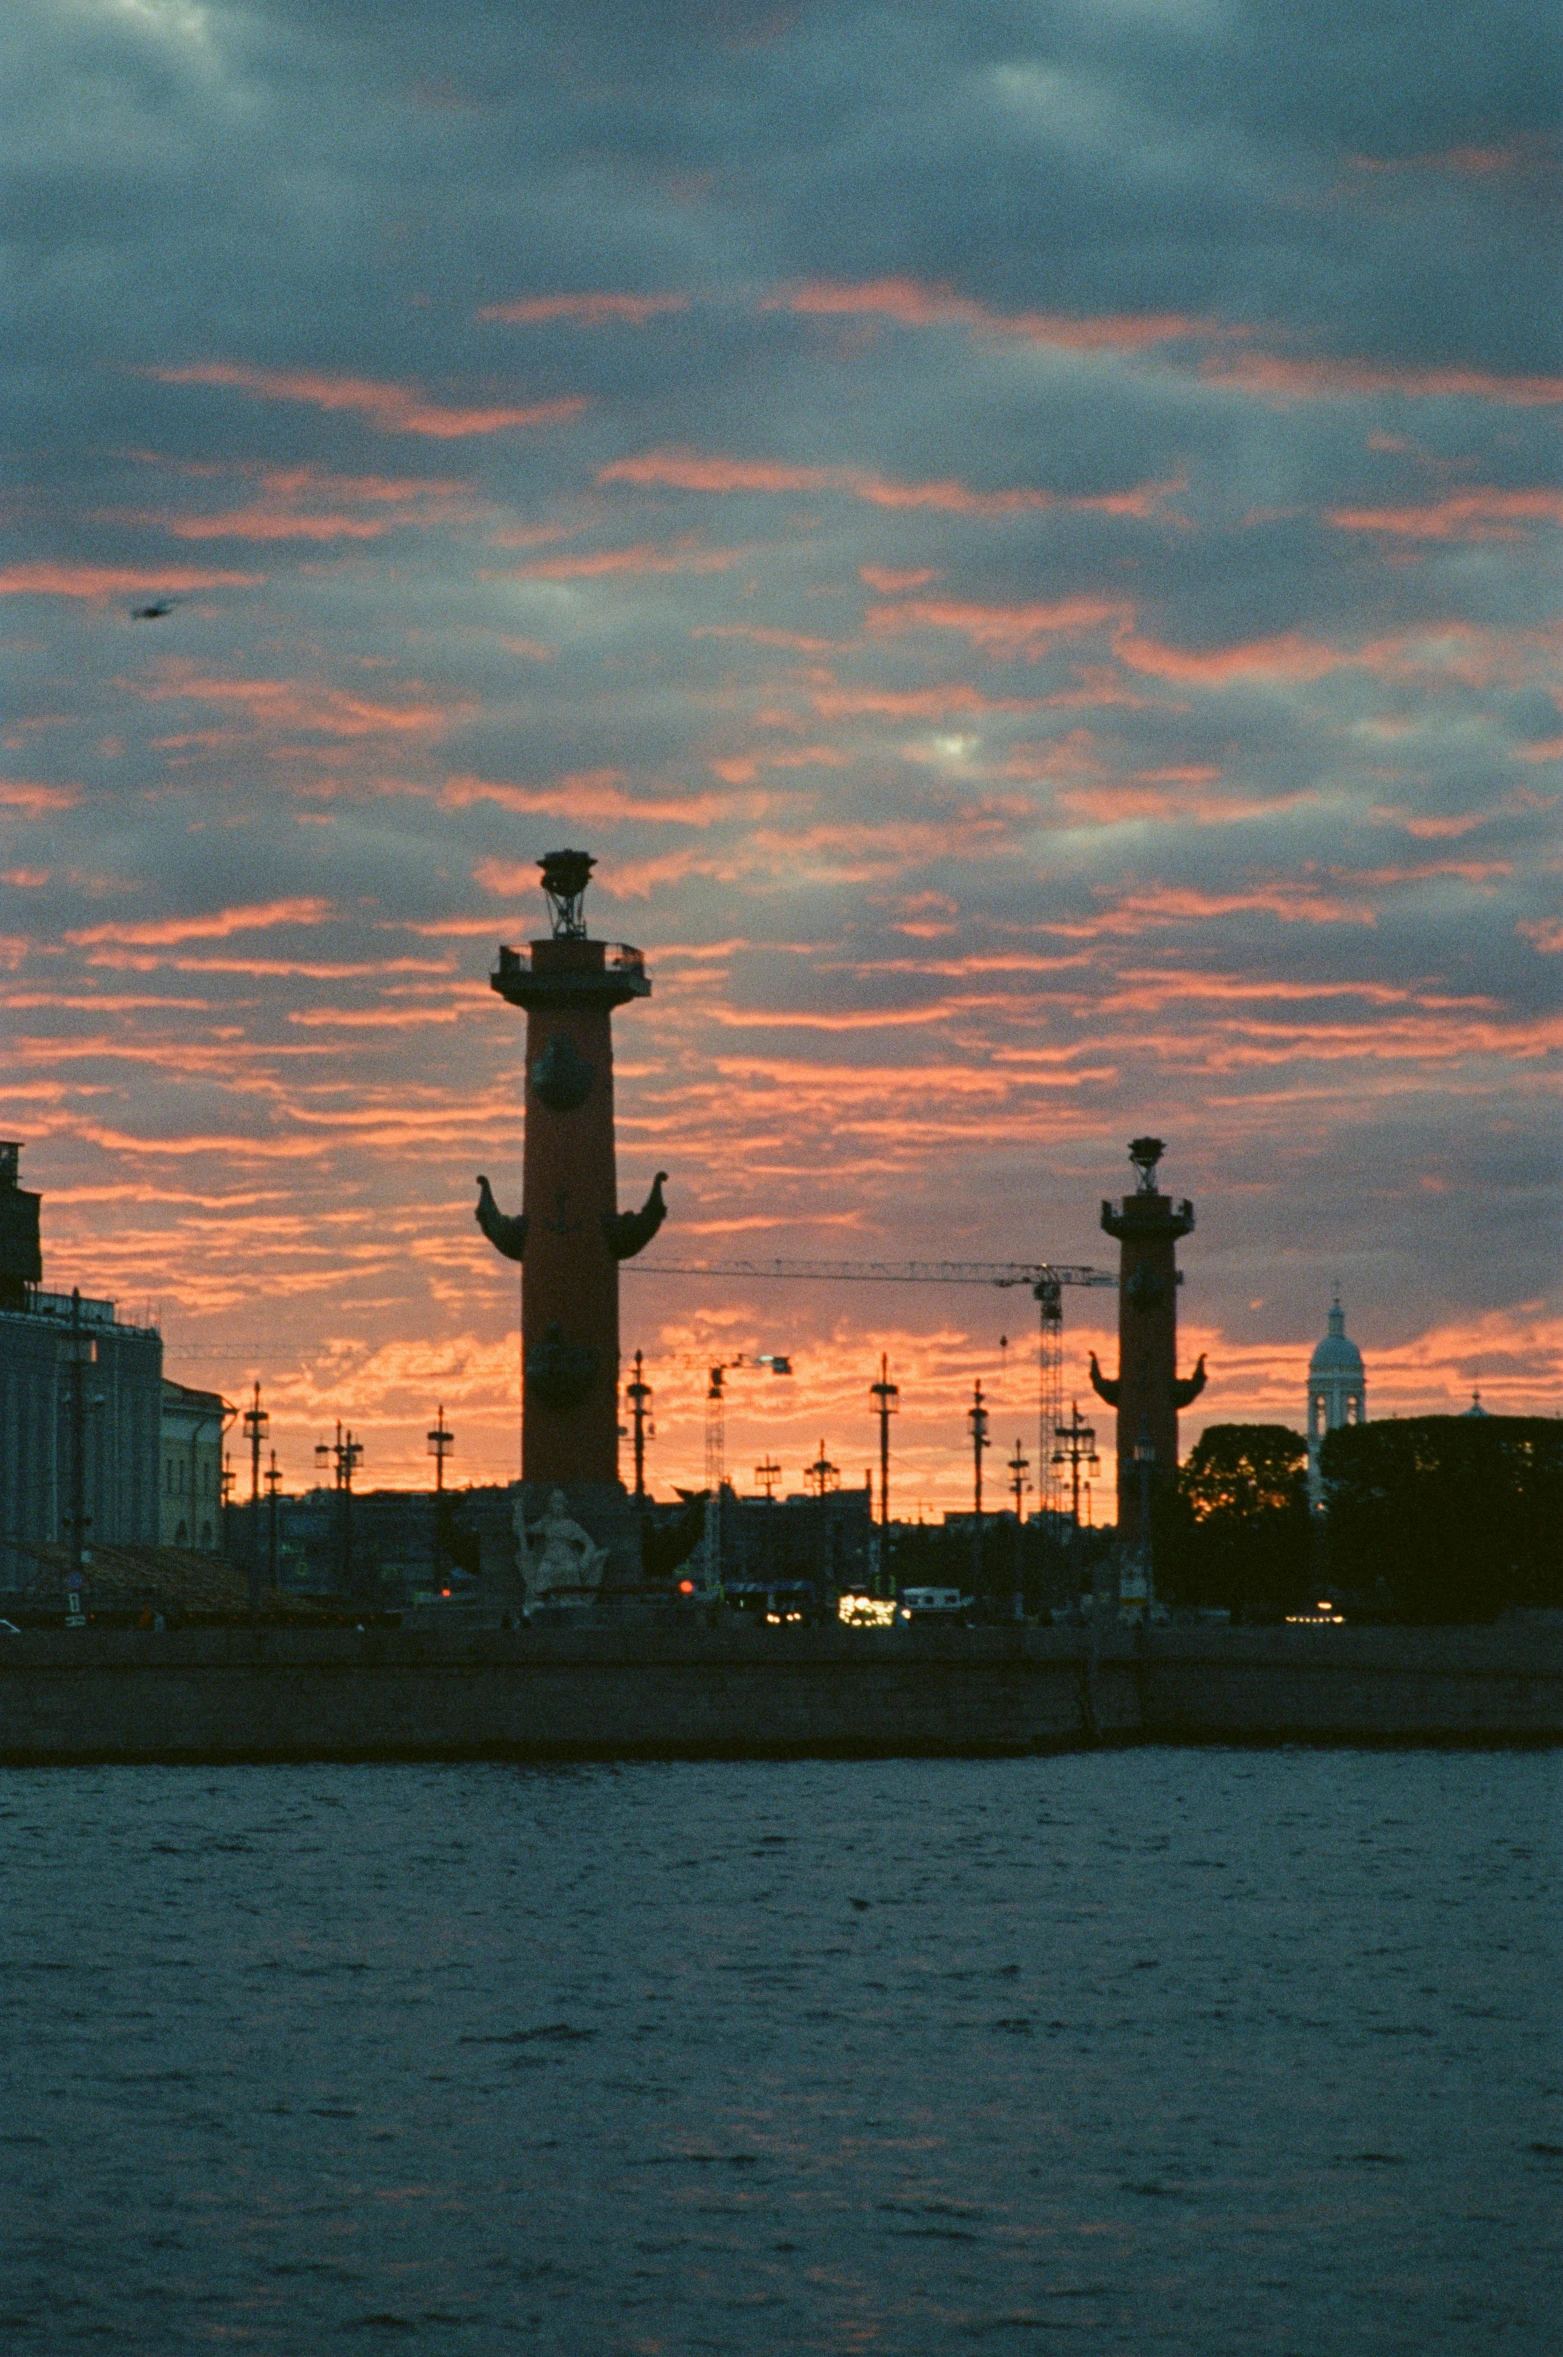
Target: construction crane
x: 1046, y: 1280
x: 717, y: 1372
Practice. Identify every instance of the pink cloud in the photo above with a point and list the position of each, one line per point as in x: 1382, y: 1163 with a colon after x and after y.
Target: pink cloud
x: 254, y: 523
x: 392, y: 409
x: 160, y: 932
x: 1004, y: 630
x: 1273, y: 377
x: 1289, y: 655
x: 677, y: 557
x: 596, y: 794
x: 300, y: 704
x: 927, y: 703
x: 759, y: 635
x: 1466, y: 515
x: 1168, y: 905
x: 103, y: 581
x: 34, y: 800
x: 689, y: 470
x: 910, y: 303
x: 584, y: 310
x: 888, y: 581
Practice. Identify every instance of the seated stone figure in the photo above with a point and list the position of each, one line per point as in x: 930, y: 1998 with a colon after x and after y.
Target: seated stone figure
x: 559, y: 1562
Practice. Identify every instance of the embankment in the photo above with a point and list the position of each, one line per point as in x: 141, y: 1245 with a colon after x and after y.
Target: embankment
x: 597, y: 1693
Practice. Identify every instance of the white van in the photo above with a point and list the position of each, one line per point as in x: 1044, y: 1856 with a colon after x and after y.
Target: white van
x: 933, y: 1604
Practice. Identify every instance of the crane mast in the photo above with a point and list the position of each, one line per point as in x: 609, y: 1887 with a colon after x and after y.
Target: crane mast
x: 1046, y: 1280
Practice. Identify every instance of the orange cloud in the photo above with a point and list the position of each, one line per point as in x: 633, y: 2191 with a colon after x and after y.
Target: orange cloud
x: 583, y: 310
x: 927, y: 703
x: 912, y: 304
x: 888, y: 581
x: 597, y: 794
x: 757, y: 634
x: 999, y: 629
x: 36, y: 800
x: 1275, y: 378
x: 1527, y: 154
x: 1166, y: 905
x: 303, y: 704
x: 1543, y: 933
x: 676, y: 557
x: 161, y: 931
x: 1467, y: 515
x: 688, y: 470
x: 1287, y: 656
x: 392, y: 409
x: 254, y: 523
x: 100, y: 581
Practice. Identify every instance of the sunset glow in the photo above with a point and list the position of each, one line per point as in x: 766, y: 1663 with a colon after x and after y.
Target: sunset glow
x: 1035, y: 576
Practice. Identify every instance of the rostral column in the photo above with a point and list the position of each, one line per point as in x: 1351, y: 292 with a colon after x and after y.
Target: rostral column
x: 1147, y: 1393
x: 570, y: 1235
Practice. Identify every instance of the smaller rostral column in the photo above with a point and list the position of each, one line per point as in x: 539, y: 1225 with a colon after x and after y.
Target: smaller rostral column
x: 570, y: 1235
x: 1146, y: 1393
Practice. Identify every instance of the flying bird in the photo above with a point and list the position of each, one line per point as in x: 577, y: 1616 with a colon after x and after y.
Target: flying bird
x: 154, y: 612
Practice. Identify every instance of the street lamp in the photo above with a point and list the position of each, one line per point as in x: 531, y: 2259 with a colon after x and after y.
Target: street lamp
x: 977, y: 1426
x: 1019, y: 1466
x: 343, y: 1453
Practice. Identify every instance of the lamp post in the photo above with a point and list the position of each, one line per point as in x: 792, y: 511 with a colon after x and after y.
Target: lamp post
x: 256, y: 1424
x: 1079, y: 1449
x: 977, y: 1425
x: 886, y: 1397
x: 441, y: 1441
x: 273, y: 1484
x: 822, y: 1476
x: 343, y: 1453
x: 1019, y: 1466
x: 638, y: 1393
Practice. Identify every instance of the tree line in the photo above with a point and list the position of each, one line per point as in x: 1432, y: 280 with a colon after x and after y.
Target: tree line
x: 1425, y: 1518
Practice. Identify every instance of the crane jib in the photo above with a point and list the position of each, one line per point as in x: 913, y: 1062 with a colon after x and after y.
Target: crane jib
x: 887, y: 1272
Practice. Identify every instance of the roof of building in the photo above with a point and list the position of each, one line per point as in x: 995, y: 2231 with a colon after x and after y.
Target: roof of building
x: 181, y: 1395
x: 1475, y: 1408
x: 1337, y: 1354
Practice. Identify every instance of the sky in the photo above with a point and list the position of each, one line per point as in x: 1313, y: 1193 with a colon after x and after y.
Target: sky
x: 1023, y: 537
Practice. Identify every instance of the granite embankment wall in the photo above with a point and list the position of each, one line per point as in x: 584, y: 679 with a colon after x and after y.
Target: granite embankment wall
x: 606, y: 1692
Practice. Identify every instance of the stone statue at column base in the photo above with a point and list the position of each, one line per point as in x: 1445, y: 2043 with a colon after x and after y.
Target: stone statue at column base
x: 560, y: 1563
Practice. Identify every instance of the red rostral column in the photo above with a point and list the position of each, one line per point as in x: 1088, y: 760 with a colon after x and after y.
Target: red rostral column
x: 1147, y: 1393
x: 570, y: 1236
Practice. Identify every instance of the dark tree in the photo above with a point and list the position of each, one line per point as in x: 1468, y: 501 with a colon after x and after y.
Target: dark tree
x: 672, y: 1534
x: 1459, y: 1517
x: 1235, y: 1529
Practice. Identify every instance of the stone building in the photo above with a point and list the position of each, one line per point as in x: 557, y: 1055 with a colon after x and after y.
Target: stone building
x: 1337, y: 1393
x: 191, y: 1473
x: 78, y: 1388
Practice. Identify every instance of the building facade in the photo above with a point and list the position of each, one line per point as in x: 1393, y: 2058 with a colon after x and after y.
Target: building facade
x: 190, y: 1485
x: 1337, y: 1393
x: 80, y: 1420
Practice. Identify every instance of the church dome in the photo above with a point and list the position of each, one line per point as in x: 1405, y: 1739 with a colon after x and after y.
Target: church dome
x: 1337, y: 1354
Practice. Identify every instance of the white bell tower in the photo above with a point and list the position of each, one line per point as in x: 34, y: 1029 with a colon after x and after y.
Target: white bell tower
x: 1337, y: 1393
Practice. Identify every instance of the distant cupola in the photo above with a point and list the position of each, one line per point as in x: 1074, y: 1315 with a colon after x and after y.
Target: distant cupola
x: 1337, y: 1392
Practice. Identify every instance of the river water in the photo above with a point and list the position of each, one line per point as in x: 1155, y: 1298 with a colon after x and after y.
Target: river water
x: 1161, y: 2050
